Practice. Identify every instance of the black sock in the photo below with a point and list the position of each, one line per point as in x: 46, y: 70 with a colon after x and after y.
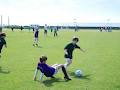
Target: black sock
x: 64, y: 71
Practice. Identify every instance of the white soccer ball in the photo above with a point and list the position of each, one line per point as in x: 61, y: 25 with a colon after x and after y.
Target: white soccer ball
x: 78, y: 73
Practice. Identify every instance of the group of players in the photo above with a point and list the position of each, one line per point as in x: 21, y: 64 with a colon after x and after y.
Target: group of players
x: 36, y: 32
x: 107, y: 29
x: 50, y: 71
x: 43, y: 67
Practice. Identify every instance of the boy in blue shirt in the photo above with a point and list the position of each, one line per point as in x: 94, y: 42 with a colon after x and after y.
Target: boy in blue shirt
x: 36, y: 36
x: 49, y: 71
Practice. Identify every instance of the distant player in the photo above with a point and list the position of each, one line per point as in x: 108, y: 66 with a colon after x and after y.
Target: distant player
x: 68, y: 50
x: 33, y: 29
x: 55, y: 31
x: 2, y: 41
x: 45, y: 29
x: 36, y: 35
x: 100, y: 29
x: 21, y: 28
x: 49, y: 71
x: 12, y: 28
x: 51, y: 28
x: 76, y: 29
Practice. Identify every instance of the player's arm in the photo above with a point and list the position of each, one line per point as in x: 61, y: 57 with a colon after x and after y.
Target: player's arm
x: 65, y: 51
x: 41, y: 76
x: 36, y: 72
x: 80, y: 48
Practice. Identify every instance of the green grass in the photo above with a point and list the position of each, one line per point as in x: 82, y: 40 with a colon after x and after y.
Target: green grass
x: 100, y: 63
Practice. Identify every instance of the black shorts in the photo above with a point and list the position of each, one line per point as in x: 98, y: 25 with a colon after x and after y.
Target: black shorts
x: 68, y: 56
x: 45, y: 31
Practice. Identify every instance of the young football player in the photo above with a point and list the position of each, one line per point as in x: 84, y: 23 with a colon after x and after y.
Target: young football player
x: 36, y: 36
x: 49, y: 71
x: 68, y: 50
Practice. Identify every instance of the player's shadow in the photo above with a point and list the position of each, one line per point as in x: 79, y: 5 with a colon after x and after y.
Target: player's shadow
x: 38, y: 47
x: 4, y: 71
x: 49, y: 82
x: 87, y: 77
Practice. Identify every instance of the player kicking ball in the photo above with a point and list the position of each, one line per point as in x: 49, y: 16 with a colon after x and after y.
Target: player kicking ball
x: 49, y: 71
x: 68, y: 50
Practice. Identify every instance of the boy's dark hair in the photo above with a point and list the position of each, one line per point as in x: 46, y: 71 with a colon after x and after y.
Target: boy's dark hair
x: 43, y: 58
x: 75, y: 39
x: 2, y: 34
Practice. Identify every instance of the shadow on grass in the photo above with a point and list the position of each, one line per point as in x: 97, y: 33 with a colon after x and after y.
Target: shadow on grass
x: 3, y: 71
x: 50, y: 82
x: 38, y: 47
x: 87, y: 77
x: 118, y: 87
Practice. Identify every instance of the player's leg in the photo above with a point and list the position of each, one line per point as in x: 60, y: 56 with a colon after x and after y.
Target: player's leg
x: 54, y: 65
x: 68, y: 62
x: 61, y: 66
x: 45, y: 33
x: 36, y: 41
x: 56, y: 34
x: 57, y: 66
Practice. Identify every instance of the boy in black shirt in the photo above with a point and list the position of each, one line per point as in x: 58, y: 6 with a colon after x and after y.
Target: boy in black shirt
x: 69, y: 51
x: 2, y: 41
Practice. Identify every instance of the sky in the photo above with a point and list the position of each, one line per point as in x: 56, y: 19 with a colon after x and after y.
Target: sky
x: 24, y: 12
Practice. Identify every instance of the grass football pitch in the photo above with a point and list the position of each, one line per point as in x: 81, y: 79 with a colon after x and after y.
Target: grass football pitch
x: 100, y: 63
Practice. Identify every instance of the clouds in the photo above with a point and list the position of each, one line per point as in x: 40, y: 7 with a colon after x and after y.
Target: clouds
x: 55, y: 11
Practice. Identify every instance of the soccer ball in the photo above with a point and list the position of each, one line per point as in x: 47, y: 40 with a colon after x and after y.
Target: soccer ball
x: 78, y: 73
